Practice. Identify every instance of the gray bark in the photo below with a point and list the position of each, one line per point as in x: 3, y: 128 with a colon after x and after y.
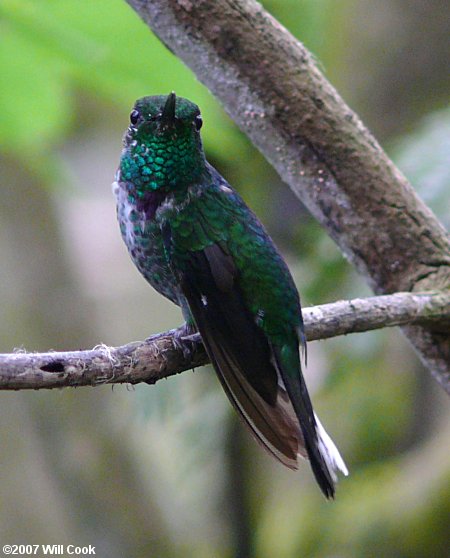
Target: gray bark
x: 159, y: 356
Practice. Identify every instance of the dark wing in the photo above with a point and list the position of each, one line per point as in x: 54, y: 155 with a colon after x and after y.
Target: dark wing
x: 263, y: 382
x: 239, y: 351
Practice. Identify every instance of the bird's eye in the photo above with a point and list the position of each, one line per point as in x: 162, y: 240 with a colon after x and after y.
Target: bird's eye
x: 198, y: 122
x: 134, y: 116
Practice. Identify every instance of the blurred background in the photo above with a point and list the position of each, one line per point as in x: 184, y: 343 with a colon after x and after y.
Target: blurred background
x: 166, y: 470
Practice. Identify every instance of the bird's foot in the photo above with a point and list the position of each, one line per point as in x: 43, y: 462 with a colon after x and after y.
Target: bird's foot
x: 186, y: 338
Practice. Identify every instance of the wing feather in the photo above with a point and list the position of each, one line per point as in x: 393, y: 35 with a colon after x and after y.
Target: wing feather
x: 263, y: 381
x: 240, y: 352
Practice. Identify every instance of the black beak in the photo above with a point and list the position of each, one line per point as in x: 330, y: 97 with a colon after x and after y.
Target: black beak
x: 168, y: 112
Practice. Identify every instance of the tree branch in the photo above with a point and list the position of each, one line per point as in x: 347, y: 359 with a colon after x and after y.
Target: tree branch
x: 270, y: 85
x: 159, y: 357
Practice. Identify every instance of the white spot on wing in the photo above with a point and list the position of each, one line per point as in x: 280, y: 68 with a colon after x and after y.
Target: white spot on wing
x: 259, y: 318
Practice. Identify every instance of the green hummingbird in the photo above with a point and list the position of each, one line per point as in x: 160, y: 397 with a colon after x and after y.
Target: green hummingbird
x: 197, y: 243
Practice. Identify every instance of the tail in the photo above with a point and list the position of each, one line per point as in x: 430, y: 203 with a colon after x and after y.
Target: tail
x: 329, y: 452
x: 314, y: 442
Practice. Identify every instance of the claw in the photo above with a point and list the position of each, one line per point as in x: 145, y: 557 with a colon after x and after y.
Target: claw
x: 193, y: 338
x: 185, y: 338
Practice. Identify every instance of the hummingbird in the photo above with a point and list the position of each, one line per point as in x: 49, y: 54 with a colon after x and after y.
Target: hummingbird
x: 197, y: 243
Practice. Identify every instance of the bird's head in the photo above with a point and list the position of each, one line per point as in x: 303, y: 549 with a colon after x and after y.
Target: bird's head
x: 162, y: 146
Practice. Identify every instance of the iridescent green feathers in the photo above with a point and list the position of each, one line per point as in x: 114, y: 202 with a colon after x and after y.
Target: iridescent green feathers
x: 153, y: 159
x: 196, y: 242
x: 218, y: 216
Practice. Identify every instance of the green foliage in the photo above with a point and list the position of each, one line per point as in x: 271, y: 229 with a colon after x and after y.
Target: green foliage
x: 52, y: 50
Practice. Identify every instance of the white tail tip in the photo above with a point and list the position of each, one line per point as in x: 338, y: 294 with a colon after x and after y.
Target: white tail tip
x: 329, y: 452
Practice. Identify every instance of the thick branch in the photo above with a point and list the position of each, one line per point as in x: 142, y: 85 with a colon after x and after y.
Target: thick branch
x: 270, y: 85
x: 159, y: 357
